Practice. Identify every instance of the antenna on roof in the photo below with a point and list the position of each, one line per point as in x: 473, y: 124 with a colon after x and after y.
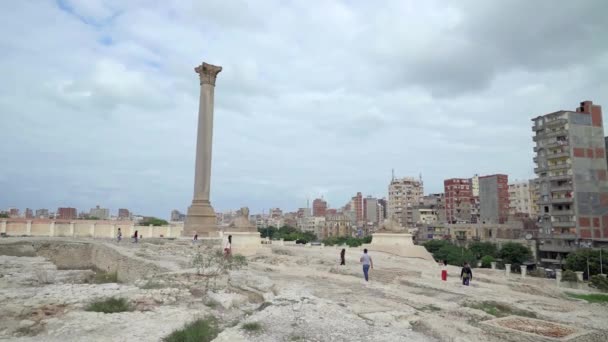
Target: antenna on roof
x: 393, y: 175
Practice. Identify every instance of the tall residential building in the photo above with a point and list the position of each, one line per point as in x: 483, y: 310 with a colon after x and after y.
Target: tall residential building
x: 275, y: 213
x: 520, y: 201
x: 494, y: 198
x: 42, y: 213
x: 371, y: 213
x: 124, y: 214
x: 100, y: 213
x: 534, y: 188
x: 383, y: 208
x: 403, y: 194
x: 458, y: 199
x: 475, y: 185
x: 357, y: 206
x: 319, y: 207
x: 29, y: 213
x: 66, y: 214
x: 572, y: 172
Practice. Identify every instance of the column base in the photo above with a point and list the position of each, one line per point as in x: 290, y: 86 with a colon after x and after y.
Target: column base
x: 200, y: 220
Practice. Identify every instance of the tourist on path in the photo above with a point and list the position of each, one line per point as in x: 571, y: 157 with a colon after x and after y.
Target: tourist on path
x: 367, y: 262
x: 135, y: 237
x: 466, y: 274
x: 342, y: 255
x: 195, y: 239
x: 228, y: 247
x: 119, y: 235
x: 444, y: 270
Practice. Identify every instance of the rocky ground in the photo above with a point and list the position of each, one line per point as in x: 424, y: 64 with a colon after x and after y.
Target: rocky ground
x: 292, y: 293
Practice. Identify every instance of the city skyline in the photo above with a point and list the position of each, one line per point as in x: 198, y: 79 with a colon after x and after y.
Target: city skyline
x: 109, y: 115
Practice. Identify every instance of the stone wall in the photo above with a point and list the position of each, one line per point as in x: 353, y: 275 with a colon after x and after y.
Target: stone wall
x: 84, y: 255
x: 84, y: 228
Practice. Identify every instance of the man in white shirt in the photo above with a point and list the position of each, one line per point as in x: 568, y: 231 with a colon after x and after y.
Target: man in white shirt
x: 367, y: 262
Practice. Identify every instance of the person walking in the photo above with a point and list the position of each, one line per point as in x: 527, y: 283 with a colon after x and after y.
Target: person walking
x: 444, y: 270
x: 342, y: 257
x: 367, y: 263
x: 119, y: 235
x: 135, y: 237
x: 228, y: 247
x: 195, y: 239
x: 466, y: 274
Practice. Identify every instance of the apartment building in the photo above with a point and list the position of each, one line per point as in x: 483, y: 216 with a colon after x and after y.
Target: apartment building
x: 319, y: 207
x: 404, y: 194
x: 520, y: 203
x: 572, y: 176
x: 494, y: 198
x: 458, y: 199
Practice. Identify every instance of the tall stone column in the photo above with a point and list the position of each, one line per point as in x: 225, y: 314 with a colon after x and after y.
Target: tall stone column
x: 201, y: 218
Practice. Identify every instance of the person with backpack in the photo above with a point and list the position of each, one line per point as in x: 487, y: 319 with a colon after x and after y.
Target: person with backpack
x: 343, y: 257
x: 466, y: 274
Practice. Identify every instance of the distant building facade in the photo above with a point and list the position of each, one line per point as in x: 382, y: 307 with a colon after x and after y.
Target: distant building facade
x: 319, y: 207
x: 67, y: 213
x: 494, y: 198
x: 403, y: 194
x: 459, y: 199
x: 124, y: 214
x: 42, y: 213
x: 177, y: 216
x: 29, y: 213
x: 100, y: 213
x: 520, y: 201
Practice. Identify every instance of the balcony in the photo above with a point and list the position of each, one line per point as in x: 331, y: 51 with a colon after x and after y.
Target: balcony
x: 553, y: 123
x: 557, y: 155
x: 566, y: 187
x: 561, y: 200
x: 557, y: 236
x: 559, y: 166
x: 556, y: 144
x: 563, y: 224
x: 537, y: 128
x: 559, y: 177
x: 556, y: 248
x: 540, y: 169
x: 562, y: 213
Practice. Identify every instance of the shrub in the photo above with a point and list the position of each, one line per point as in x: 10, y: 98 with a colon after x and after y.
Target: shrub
x: 252, y: 326
x: 201, y: 330
x: 577, y: 261
x: 599, y: 282
x: 486, y: 261
x: 514, y: 254
x: 110, y: 305
x: 570, y: 276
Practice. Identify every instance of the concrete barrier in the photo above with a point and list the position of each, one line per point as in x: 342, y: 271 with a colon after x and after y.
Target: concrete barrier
x: 507, y: 269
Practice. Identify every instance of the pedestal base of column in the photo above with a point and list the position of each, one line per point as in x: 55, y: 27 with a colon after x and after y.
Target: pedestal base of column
x: 400, y: 244
x: 200, y: 220
x: 244, y: 243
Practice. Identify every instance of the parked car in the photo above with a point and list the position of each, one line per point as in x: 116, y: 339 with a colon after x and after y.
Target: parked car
x: 315, y: 243
x: 550, y: 273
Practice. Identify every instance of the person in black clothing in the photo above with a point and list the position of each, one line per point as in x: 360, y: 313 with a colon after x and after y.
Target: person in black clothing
x: 466, y: 274
x: 342, y: 255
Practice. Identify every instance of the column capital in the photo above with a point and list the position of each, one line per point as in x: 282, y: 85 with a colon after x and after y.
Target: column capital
x: 207, y: 73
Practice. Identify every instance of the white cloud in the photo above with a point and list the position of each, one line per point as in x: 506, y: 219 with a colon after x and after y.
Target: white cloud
x: 316, y: 98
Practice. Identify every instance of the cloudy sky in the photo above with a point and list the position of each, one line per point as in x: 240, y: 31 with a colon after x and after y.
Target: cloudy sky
x: 98, y: 99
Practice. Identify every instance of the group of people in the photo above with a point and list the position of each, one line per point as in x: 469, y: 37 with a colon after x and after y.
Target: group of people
x: 227, y: 246
x: 136, y: 237
x: 466, y: 274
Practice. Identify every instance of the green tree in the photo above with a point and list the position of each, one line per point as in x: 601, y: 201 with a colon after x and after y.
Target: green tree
x: 434, y: 245
x: 577, y: 261
x: 455, y: 255
x: 3, y: 215
x: 153, y: 221
x: 269, y: 232
x: 481, y: 249
x: 569, y: 275
x: 514, y: 254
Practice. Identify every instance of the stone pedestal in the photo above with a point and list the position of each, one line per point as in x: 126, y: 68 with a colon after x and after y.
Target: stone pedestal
x: 244, y: 243
x: 579, y: 276
x: 558, y: 276
x: 493, y: 265
x: 507, y: 269
x: 201, y: 218
x: 524, y: 270
x: 400, y: 244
